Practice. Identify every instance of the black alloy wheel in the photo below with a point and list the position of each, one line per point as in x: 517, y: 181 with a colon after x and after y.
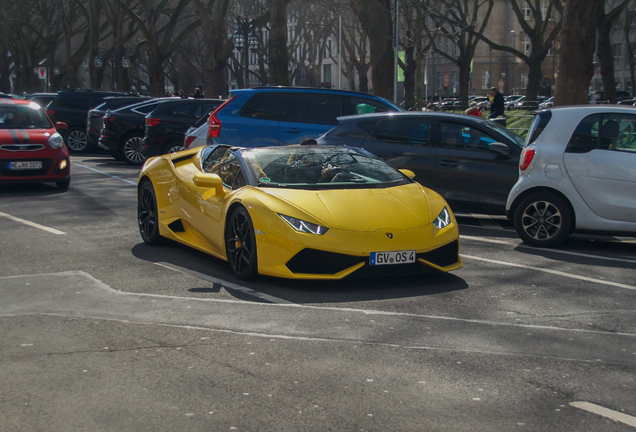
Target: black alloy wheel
x: 147, y: 214
x: 76, y: 140
x: 543, y: 220
x: 240, y: 244
x: 132, y: 150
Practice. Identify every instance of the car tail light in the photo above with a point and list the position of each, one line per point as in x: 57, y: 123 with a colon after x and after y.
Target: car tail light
x: 109, y: 117
x: 150, y: 122
x: 188, y: 140
x: 526, y: 158
x: 214, y: 129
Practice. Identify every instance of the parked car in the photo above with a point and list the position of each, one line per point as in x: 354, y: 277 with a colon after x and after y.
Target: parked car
x: 31, y: 149
x: 577, y: 174
x: 95, y: 118
x: 286, y: 115
x: 71, y: 107
x: 630, y: 101
x: 297, y: 212
x: 598, y: 97
x: 510, y: 102
x: 197, y: 134
x: 124, y: 128
x: 470, y: 161
x: 547, y: 103
x: 42, y: 99
x: 167, y: 124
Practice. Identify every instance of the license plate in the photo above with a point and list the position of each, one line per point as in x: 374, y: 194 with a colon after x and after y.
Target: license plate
x: 31, y: 165
x: 389, y: 258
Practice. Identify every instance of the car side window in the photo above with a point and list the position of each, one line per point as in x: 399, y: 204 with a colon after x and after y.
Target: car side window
x: 618, y: 132
x: 413, y: 131
x: 320, y: 109
x: 202, y: 110
x: 266, y: 106
x: 213, y: 158
x: 358, y: 105
x: 181, y: 110
x: 145, y: 109
x: 460, y: 136
x: 585, y: 136
x: 229, y: 169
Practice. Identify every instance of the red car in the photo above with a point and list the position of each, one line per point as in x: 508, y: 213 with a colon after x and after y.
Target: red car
x: 31, y: 149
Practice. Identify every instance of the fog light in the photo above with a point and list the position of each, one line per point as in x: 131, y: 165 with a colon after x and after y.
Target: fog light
x: 63, y: 165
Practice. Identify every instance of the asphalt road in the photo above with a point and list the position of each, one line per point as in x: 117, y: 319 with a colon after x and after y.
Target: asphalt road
x: 100, y: 332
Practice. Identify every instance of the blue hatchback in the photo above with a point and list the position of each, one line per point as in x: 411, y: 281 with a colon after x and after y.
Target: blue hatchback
x: 265, y: 116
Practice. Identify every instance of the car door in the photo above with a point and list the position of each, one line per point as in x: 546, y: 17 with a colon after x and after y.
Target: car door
x: 309, y: 115
x: 264, y: 111
x: 470, y: 175
x: 604, y: 175
x: 405, y: 143
x: 201, y: 206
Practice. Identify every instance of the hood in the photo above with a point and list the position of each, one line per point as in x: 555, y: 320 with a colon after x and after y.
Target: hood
x: 401, y: 207
x: 25, y: 136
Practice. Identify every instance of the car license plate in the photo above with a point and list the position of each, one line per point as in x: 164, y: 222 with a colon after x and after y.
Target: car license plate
x: 389, y: 258
x: 31, y: 165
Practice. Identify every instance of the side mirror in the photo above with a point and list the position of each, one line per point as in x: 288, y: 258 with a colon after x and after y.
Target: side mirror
x: 410, y: 174
x: 500, y: 148
x: 212, y: 181
x: 60, y: 126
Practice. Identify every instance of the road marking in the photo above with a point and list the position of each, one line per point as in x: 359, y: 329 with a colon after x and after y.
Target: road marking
x: 605, y: 412
x: 106, y: 174
x: 33, y: 224
x: 555, y: 272
x: 224, y: 284
x: 556, y: 251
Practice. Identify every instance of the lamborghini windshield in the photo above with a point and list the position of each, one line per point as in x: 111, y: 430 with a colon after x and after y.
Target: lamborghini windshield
x: 319, y: 167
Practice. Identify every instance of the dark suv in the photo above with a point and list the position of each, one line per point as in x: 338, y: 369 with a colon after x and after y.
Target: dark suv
x: 95, y: 119
x: 286, y: 115
x: 167, y: 124
x: 71, y: 107
x: 124, y: 130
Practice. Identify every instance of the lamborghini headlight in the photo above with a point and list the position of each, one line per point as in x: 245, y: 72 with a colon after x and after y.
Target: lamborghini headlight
x: 443, y: 219
x: 56, y: 141
x: 304, y: 226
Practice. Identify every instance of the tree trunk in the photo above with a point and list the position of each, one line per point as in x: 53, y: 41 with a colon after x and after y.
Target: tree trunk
x: 278, y: 44
x: 605, y: 56
x: 535, y: 74
x: 463, y: 62
x: 409, y: 74
x: 577, y: 50
x: 375, y: 19
x: 156, y: 77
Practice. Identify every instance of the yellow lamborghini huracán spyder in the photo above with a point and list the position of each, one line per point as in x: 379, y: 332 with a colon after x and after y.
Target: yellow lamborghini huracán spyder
x: 301, y: 212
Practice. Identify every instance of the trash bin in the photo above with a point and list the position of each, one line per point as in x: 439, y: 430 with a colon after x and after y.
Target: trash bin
x: 500, y: 121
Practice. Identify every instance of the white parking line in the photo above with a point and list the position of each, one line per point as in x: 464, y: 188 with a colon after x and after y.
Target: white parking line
x: 555, y: 272
x: 556, y: 251
x: 105, y: 173
x: 33, y: 224
x: 605, y: 412
x: 224, y: 284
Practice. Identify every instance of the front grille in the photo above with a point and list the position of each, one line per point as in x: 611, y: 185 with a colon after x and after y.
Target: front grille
x: 442, y: 256
x: 5, y: 171
x: 314, y: 261
x: 22, y: 147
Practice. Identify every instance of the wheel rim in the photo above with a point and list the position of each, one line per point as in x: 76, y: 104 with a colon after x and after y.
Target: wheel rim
x: 147, y: 215
x: 77, y: 140
x: 132, y: 150
x: 176, y: 148
x: 542, y: 220
x: 239, y: 244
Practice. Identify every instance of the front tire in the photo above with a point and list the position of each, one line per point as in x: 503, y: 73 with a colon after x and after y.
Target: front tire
x: 240, y: 244
x: 64, y: 184
x: 76, y: 140
x: 147, y: 214
x: 543, y: 220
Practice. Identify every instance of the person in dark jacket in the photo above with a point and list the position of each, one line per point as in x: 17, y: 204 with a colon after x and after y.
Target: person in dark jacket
x: 197, y: 93
x: 497, y: 103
